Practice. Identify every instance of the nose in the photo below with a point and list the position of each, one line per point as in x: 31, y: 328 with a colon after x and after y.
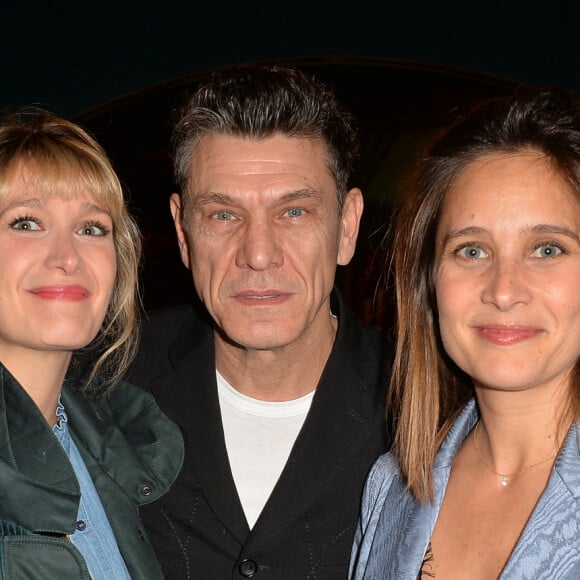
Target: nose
x: 63, y: 253
x: 259, y: 247
x: 506, y: 286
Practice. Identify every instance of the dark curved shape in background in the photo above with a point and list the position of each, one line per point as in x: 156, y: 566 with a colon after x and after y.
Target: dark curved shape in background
x: 399, y: 106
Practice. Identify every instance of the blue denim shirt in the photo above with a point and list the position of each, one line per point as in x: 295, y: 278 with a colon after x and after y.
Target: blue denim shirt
x: 93, y: 537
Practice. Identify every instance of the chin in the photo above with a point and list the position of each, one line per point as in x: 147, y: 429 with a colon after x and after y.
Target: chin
x: 261, y: 341
x: 263, y: 344
x: 506, y: 382
x: 68, y: 342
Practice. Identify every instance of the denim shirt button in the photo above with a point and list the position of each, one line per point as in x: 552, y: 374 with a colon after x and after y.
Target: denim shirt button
x: 81, y: 526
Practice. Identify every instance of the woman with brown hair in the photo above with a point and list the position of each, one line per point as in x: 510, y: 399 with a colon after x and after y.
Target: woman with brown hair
x: 484, y: 477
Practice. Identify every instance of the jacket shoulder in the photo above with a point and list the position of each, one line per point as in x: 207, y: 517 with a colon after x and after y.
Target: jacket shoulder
x: 166, y: 333
x: 162, y: 325
x: 369, y: 351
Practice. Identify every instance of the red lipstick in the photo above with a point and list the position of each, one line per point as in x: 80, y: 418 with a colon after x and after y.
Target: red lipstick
x: 72, y: 293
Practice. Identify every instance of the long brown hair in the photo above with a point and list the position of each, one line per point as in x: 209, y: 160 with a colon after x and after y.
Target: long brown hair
x: 427, y: 389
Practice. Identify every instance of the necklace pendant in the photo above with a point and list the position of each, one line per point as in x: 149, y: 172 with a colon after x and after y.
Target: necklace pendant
x: 504, y: 480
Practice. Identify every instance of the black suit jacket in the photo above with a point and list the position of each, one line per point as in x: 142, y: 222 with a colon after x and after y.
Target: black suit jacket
x: 306, y: 528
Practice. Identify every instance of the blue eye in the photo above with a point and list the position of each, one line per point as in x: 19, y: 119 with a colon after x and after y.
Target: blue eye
x: 549, y: 250
x: 223, y: 216
x: 25, y: 224
x: 294, y: 212
x: 471, y: 252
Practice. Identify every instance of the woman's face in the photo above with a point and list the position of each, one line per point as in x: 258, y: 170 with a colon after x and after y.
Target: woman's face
x: 508, y: 273
x: 58, y: 268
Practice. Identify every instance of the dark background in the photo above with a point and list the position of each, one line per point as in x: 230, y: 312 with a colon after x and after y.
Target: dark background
x: 72, y: 56
x: 404, y: 69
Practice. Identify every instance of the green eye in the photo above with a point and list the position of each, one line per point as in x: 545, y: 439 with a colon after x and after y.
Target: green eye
x: 25, y: 224
x: 94, y: 229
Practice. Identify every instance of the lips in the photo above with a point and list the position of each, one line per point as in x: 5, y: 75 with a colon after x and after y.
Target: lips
x: 261, y: 297
x: 72, y: 293
x: 507, y: 334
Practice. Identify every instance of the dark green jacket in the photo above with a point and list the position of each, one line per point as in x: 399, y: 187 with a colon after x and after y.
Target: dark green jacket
x: 132, y: 451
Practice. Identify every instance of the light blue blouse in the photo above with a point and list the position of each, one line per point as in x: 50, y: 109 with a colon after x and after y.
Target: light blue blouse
x: 394, y: 530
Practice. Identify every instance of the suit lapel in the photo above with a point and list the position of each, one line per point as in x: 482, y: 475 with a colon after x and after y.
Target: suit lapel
x: 190, y: 390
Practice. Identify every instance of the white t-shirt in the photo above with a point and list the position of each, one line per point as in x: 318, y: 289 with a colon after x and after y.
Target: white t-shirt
x: 259, y: 437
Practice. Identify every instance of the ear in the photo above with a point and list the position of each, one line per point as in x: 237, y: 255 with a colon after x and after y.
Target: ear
x: 176, y: 209
x: 352, y: 209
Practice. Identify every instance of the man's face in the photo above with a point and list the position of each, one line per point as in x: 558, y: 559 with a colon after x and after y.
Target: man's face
x: 262, y: 236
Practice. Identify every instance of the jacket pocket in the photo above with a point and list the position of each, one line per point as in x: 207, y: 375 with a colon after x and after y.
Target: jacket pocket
x: 34, y: 556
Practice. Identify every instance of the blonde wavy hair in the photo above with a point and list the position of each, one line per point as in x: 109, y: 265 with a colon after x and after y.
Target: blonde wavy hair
x: 66, y: 161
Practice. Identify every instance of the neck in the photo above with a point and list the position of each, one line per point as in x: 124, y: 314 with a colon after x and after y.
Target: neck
x: 280, y: 374
x: 41, y: 374
x: 520, y: 429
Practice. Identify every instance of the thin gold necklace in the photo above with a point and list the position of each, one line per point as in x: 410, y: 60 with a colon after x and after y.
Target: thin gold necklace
x: 505, y: 476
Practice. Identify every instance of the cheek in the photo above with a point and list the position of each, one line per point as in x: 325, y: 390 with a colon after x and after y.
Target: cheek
x: 449, y: 305
x: 445, y: 293
x: 209, y: 269
x: 105, y: 271
x: 562, y: 298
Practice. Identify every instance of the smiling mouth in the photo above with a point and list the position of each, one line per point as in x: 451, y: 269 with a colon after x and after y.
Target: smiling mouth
x: 507, y: 335
x: 61, y: 293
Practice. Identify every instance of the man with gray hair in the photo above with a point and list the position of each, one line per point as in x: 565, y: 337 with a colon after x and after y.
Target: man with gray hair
x: 278, y: 388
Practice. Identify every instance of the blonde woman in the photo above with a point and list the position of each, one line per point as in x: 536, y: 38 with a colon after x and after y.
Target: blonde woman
x: 78, y: 451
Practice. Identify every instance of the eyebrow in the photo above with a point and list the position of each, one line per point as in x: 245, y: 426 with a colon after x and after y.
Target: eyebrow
x: 32, y: 202
x: 92, y: 207
x: 470, y: 231
x: 35, y: 202
x: 555, y: 229
x: 537, y: 229
x: 205, y: 198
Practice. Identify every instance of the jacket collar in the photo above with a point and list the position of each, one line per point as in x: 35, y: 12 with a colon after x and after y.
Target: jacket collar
x: 43, y: 490
x: 127, y: 434
x: 407, y: 525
